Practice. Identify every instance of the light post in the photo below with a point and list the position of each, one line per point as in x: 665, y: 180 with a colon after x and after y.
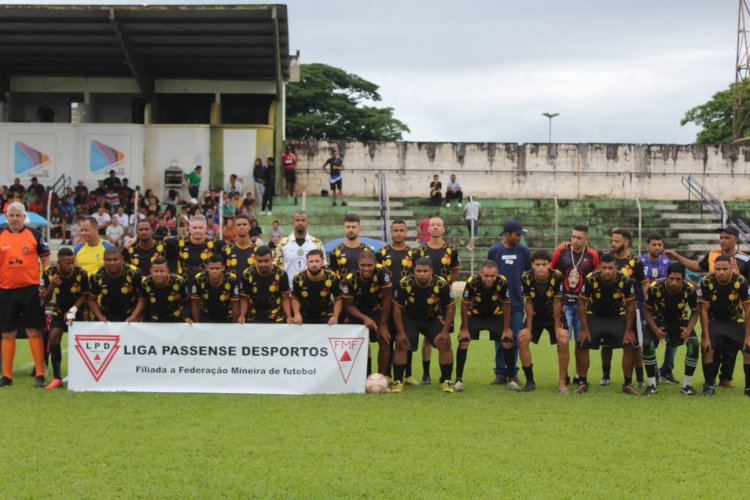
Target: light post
x: 550, y: 116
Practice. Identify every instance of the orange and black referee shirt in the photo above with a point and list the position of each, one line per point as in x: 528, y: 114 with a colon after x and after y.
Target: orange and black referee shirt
x: 19, y: 257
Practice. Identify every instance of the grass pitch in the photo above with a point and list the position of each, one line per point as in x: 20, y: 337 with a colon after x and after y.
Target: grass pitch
x: 484, y: 443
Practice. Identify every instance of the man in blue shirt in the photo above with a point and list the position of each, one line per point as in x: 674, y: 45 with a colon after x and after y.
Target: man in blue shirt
x: 512, y: 259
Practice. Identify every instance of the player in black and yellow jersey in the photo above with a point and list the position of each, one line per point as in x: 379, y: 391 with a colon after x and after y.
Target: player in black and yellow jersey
x: 398, y: 259
x: 163, y: 295
x: 193, y: 252
x: 264, y: 294
x: 316, y: 294
x: 607, y: 310
x: 485, y: 306
x: 542, y: 292
x: 144, y: 249
x: 367, y: 301
x: 215, y: 294
x: 671, y: 311
x: 66, y: 286
x: 423, y: 304
x: 445, y: 264
x: 113, y: 290
x: 344, y: 257
x: 240, y: 253
x: 724, y: 308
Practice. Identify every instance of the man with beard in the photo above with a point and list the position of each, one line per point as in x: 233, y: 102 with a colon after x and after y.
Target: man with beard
x: 292, y: 250
x: 264, y: 294
x: 575, y: 259
x: 113, y: 290
x: 145, y: 248
x: 445, y: 263
x: 671, y: 311
x: 424, y: 305
x: 725, y: 307
x: 367, y: 301
x: 345, y: 256
x: 215, y: 294
x: 316, y: 294
x: 240, y: 252
x: 66, y: 286
x: 607, y: 311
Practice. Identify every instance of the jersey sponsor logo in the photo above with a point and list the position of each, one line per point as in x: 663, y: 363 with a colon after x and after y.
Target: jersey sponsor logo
x: 97, y: 352
x: 346, y: 351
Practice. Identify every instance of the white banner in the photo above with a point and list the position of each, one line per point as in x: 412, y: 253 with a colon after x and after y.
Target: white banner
x: 223, y: 358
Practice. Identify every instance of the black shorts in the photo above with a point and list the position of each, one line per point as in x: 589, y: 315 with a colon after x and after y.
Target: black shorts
x: 674, y: 332
x: 730, y: 336
x: 290, y: 176
x: 59, y: 322
x: 375, y: 316
x: 607, y: 332
x: 21, y: 308
x: 538, y: 329
x: 494, y: 325
x: 430, y: 328
x: 336, y: 185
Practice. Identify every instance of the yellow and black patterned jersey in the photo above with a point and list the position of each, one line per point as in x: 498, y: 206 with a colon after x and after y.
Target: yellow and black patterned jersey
x: 238, y: 258
x: 423, y: 302
x: 542, y: 295
x: 69, y: 291
x: 725, y: 301
x: 671, y: 307
x: 216, y: 300
x: 485, y: 302
x: 264, y: 294
x: 366, y: 293
x: 398, y: 262
x: 344, y: 259
x: 607, y: 299
x: 143, y: 257
x: 192, y: 258
x: 166, y: 302
x: 316, y: 298
x: 444, y: 259
x: 118, y: 295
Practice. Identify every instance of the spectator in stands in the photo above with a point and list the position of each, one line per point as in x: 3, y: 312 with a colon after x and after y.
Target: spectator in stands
x: 275, y: 234
x: 122, y: 217
x: 45, y: 113
x: 173, y: 198
x: 436, y: 191
x: 126, y: 192
x: 57, y: 224
x: 193, y: 180
x: 289, y: 164
x: 4, y: 197
x: 169, y: 221
x: 453, y: 192
x: 100, y: 189
x: 424, y: 229
x: 229, y: 231
x: 472, y: 214
x: 40, y: 191
x: 259, y: 177
x: 67, y: 203
x: 248, y: 205
x: 32, y: 201
x: 256, y: 231
x: 162, y: 230
x: 228, y: 209
x: 212, y: 230
x: 82, y: 194
x: 102, y: 218
x: 112, y: 182
x: 115, y: 232
x: 233, y: 186
x: 112, y: 198
x: 269, y: 186
x: 17, y: 188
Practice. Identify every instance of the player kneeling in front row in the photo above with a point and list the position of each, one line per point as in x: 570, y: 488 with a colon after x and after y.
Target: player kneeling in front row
x: 671, y: 311
x: 66, y: 286
x: 367, y: 301
x: 724, y: 309
x: 215, y: 294
x: 485, y: 306
x: 162, y: 296
x: 423, y: 304
x: 606, y: 308
x: 543, y: 291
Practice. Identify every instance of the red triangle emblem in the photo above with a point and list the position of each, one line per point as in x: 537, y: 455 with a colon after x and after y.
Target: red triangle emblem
x: 91, y: 348
x: 343, y: 349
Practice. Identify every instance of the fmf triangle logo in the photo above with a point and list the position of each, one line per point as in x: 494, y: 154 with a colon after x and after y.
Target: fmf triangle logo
x: 346, y: 352
x: 97, y: 352
x: 28, y: 158
x: 102, y: 157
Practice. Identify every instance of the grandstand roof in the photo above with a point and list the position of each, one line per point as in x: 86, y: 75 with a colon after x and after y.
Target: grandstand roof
x: 227, y: 42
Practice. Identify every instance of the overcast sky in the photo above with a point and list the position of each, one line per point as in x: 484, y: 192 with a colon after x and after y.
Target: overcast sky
x: 486, y: 70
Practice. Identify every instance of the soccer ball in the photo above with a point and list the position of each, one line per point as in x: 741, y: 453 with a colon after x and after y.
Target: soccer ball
x: 376, y: 383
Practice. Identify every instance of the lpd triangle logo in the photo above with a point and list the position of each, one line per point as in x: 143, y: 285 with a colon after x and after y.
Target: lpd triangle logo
x: 97, y: 352
x: 28, y: 158
x: 346, y: 351
x: 103, y: 156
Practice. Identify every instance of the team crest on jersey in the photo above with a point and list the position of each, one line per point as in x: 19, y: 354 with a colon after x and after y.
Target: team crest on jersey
x: 97, y: 352
x: 25, y: 250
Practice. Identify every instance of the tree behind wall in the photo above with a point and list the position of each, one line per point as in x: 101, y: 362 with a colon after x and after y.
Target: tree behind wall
x: 715, y: 117
x: 329, y: 104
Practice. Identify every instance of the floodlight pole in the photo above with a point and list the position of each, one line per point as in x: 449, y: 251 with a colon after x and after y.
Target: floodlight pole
x: 550, y: 116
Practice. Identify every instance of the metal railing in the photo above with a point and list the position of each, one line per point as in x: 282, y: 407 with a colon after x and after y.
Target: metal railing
x: 384, y: 206
x: 708, y: 202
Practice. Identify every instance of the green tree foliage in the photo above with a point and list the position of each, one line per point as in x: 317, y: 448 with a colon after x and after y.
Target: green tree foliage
x: 715, y: 117
x: 329, y: 104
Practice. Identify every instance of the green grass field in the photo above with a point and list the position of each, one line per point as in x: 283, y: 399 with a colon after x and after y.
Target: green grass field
x: 484, y: 443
